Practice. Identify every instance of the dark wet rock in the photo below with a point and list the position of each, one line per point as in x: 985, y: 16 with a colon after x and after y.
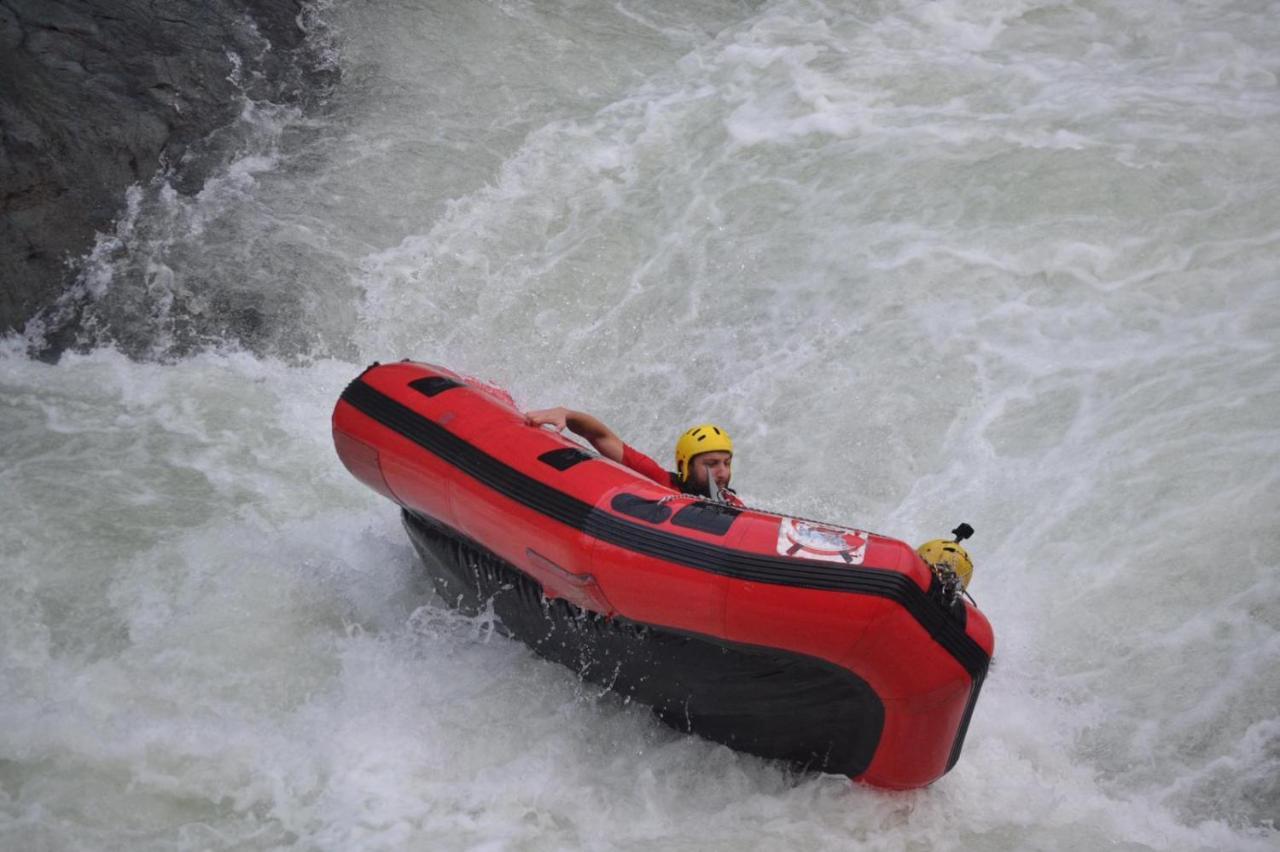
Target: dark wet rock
x: 96, y: 95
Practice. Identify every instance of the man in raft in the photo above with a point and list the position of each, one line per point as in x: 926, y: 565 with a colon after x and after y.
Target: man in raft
x: 704, y: 454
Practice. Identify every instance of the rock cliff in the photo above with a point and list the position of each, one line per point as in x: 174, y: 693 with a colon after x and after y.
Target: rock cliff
x: 98, y: 94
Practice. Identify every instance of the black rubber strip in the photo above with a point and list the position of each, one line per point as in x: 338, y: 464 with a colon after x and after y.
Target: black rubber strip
x: 653, y: 511
x: 706, y: 517
x: 432, y: 385
x: 740, y: 565
x: 564, y: 458
x: 963, y: 730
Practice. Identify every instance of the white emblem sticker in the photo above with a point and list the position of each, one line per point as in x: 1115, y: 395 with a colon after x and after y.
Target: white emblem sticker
x: 807, y: 540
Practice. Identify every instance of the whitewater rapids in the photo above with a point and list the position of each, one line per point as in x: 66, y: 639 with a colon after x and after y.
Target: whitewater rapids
x: 1011, y: 263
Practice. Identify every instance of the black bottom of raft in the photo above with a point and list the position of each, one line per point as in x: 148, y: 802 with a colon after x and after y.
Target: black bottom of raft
x: 771, y: 703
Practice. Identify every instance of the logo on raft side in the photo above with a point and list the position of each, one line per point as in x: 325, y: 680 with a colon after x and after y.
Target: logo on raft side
x: 807, y: 540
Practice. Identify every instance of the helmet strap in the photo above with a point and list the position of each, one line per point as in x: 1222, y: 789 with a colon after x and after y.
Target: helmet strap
x: 713, y: 489
x: 710, y: 490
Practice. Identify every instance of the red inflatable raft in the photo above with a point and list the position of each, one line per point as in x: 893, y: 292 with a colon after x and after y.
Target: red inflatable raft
x: 831, y: 648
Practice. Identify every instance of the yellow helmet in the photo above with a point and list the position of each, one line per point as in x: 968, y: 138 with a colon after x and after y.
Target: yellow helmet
x: 707, y: 438
x: 941, y: 552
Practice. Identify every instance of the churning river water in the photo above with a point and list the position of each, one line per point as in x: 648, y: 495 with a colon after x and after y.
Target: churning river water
x: 1010, y: 262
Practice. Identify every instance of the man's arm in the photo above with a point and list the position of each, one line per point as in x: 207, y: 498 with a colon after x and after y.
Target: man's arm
x: 597, y: 434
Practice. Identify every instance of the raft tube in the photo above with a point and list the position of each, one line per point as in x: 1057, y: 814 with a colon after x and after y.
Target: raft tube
x: 829, y: 648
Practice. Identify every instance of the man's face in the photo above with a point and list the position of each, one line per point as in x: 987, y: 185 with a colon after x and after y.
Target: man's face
x: 717, y: 465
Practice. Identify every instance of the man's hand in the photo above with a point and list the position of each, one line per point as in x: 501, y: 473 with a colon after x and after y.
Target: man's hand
x: 554, y: 417
x: 599, y: 435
